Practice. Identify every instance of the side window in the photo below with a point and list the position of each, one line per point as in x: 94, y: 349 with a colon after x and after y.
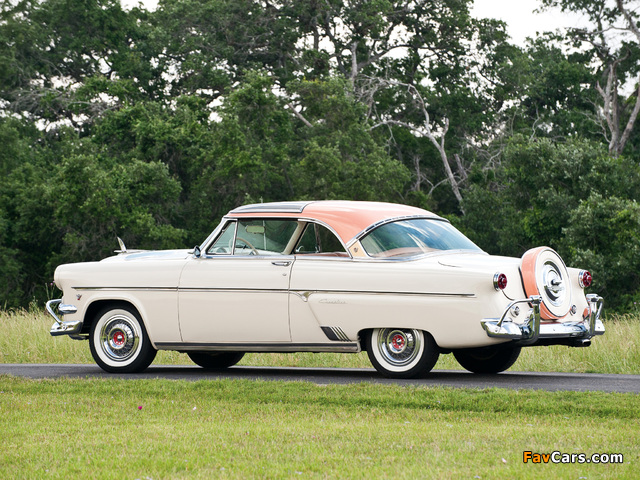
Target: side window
x: 224, y: 244
x: 308, y: 242
x: 263, y: 237
x: 319, y: 240
x: 254, y: 237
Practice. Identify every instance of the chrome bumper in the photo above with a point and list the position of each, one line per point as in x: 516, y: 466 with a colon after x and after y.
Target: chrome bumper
x: 71, y: 328
x: 531, y: 331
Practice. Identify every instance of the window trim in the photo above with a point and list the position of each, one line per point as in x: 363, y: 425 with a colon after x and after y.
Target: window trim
x: 303, y: 222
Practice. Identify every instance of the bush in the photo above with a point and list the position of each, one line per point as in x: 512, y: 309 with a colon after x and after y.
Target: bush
x: 572, y: 197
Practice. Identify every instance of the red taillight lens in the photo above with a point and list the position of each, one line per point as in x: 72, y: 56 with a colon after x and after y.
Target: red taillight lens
x: 585, y: 279
x: 500, y: 281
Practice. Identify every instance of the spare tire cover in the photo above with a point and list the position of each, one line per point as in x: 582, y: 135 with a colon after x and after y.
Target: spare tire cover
x: 545, y: 274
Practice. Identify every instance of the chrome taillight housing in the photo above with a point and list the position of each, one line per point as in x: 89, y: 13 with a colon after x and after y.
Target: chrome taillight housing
x: 585, y: 279
x: 499, y: 281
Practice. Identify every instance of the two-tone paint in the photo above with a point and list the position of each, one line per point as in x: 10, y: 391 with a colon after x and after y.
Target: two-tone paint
x: 192, y: 301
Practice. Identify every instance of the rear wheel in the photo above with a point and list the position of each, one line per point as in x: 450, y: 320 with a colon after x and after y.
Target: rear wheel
x: 402, y: 353
x: 492, y: 359
x: 215, y: 360
x: 119, y: 342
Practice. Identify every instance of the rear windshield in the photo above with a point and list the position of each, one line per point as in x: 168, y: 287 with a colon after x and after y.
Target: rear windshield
x: 406, y: 238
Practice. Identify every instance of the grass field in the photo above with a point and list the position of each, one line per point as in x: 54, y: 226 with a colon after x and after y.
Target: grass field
x: 128, y: 429
x: 152, y: 429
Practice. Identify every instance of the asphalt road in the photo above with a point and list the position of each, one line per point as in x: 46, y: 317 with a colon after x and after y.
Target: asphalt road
x: 579, y: 382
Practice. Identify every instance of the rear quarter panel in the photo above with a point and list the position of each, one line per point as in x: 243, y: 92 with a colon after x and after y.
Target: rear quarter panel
x: 448, y: 302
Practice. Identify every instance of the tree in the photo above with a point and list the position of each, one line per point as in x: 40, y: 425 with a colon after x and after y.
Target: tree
x: 604, y: 233
x: 69, y: 61
x: 262, y: 152
x: 612, y: 44
x: 573, y: 197
x: 65, y: 201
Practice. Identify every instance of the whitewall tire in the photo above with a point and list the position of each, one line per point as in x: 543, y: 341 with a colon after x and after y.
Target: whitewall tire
x: 402, y: 353
x: 119, y: 342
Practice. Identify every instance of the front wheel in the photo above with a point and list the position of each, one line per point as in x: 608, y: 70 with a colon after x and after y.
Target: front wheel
x: 214, y: 360
x: 119, y: 342
x: 402, y: 353
x: 494, y: 359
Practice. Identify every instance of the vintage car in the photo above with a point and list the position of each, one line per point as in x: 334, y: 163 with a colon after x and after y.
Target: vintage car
x: 326, y: 276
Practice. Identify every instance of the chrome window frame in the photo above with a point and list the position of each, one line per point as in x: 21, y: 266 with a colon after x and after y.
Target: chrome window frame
x: 302, y: 221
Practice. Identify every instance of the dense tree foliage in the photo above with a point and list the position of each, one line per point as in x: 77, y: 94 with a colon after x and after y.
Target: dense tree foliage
x: 149, y: 125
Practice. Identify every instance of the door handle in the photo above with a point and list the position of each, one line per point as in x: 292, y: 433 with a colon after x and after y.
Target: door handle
x: 281, y: 264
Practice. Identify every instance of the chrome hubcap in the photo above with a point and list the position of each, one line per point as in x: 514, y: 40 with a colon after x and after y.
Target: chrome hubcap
x: 398, y: 347
x: 119, y: 338
x: 553, y: 284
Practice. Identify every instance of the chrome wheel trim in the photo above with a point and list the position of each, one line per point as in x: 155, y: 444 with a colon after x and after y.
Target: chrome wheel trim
x: 398, y: 349
x: 118, y: 339
x: 552, y: 280
x: 553, y: 283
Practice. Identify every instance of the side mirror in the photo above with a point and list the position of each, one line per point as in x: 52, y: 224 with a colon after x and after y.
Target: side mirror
x: 197, y: 252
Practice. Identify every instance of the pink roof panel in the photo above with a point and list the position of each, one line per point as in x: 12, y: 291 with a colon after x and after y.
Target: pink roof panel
x: 347, y: 218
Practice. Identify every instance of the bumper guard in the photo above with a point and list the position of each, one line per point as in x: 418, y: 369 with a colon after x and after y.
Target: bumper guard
x: 71, y: 328
x: 529, y: 332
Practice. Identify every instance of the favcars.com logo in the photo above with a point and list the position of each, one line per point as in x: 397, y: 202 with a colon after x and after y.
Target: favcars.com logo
x: 558, y: 457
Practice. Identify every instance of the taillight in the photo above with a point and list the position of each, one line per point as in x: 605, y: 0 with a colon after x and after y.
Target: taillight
x: 499, y: 281
x: 585, y: 279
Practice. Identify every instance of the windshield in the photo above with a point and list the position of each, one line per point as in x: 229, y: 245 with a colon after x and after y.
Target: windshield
x: 415, y: 237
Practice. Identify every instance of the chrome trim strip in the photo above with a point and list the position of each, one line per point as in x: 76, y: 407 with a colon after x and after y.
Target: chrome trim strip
x: 303, y: 294
x: 230, y: 290
x: 135, y: 289
x: 260, y: 347
x: 272, y: 207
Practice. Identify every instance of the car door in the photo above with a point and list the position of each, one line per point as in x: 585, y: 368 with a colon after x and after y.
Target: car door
x: 237, y: 290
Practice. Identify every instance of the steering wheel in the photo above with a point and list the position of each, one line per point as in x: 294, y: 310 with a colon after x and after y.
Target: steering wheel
x: 248, y: 244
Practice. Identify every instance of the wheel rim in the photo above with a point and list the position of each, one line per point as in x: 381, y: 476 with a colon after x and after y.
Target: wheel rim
x: 399, y: 347
x: 119, y: 338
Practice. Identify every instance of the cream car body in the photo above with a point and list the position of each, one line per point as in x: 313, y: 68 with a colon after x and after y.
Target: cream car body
x: 326, y: 276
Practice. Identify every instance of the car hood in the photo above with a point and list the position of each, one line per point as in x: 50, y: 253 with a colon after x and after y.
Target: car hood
x: 142, y: 255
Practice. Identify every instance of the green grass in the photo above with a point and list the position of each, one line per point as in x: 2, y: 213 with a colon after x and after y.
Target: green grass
x: 249, y: 429
x: 25, y: 339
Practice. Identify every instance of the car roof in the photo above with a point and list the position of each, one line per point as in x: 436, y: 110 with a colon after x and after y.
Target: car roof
x: 347, y: 218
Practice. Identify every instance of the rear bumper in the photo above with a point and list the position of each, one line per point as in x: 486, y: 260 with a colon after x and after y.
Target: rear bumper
x: 577, y: 334
x: 71, y: 328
